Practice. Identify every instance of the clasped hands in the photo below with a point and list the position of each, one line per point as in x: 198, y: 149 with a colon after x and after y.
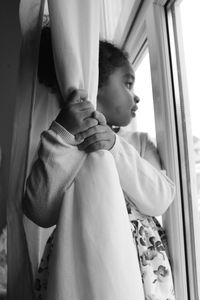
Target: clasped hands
x: 88, y: 126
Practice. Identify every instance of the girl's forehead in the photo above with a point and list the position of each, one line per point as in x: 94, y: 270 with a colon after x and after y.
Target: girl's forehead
x: 127, y: 70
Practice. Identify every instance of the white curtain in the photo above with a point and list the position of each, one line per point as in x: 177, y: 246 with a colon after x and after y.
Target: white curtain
x: 98, y: 261
x: 105, y: 261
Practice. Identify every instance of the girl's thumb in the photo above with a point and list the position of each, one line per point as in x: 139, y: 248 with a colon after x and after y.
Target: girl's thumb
x: 99, y: 117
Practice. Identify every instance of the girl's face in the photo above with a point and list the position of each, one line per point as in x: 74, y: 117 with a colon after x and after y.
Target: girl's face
x: 116, y: 99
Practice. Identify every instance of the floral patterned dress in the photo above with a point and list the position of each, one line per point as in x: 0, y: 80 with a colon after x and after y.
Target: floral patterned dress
x: 150, y: 241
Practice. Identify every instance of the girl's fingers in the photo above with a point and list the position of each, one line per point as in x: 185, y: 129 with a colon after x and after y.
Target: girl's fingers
x: 83, y: 94
x: 82, y: 115
x: 77, y: 95
x: 100, y: 139
x: 81, y: 106
x: 100, y: 145
x: 89, y: 132
x: 100, y: 117
x: 88, y: 123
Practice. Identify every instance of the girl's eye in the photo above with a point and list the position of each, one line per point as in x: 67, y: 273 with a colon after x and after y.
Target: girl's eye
x: 129, y: 85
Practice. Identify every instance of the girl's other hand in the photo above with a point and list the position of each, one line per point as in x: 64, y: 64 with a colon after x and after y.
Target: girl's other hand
x: 96, y: 138
x: 77, y: 114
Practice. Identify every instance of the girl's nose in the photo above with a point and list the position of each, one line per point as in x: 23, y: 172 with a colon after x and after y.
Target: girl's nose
x: 136, y: 99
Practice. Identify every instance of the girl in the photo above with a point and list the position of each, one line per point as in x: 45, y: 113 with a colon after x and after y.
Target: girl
x: 148, y: 192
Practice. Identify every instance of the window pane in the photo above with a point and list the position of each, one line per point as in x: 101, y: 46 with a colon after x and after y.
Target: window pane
x: 144, y: 121
x: 143, y: 88
x: 190, y: 30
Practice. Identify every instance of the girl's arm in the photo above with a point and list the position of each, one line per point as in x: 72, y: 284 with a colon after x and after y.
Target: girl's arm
x: 142, y: 179
x: 58, y: 162
x: 140, y: 175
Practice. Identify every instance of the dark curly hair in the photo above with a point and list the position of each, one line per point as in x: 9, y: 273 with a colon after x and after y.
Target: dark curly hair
x: 110, y: 58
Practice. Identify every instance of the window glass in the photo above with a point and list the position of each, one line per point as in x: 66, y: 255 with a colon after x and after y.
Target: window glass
x: 144, y: 121
x: 190, y: 31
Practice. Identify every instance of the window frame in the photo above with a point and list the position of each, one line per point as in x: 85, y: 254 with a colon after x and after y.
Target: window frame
x: 151, y: 24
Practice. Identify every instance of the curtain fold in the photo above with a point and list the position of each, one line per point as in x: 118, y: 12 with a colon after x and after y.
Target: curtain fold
x: 94, y: 257
x: 75, y: 36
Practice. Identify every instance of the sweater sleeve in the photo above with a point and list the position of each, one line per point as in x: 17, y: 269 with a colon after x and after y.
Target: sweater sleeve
x: 143, y: 181
x: 51, y: 175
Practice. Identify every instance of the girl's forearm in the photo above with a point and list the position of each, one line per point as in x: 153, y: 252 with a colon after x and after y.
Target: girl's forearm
x: 52, y: 174
x: 149, y: 189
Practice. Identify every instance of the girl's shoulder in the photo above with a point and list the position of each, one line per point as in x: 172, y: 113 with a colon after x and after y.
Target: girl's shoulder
x: 140, y: 140
x: 144, y: 145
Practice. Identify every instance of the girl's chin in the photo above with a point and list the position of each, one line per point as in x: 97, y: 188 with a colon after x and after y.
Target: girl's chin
x: 123, y: 122
x: 128, y: 120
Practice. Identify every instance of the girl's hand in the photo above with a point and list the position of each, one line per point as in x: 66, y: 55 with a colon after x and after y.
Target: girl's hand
x: 77, y: 114
x: 96, y: 138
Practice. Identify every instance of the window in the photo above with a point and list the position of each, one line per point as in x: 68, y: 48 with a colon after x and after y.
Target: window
x: 158, y: 23
x: 144, y: 120
x: 143, y: 88
x: 182, y: 25
x: 190, y: 24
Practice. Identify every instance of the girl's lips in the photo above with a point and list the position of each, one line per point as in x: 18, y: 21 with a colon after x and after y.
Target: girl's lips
x: 133, y: 110
x: 133, y: 113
